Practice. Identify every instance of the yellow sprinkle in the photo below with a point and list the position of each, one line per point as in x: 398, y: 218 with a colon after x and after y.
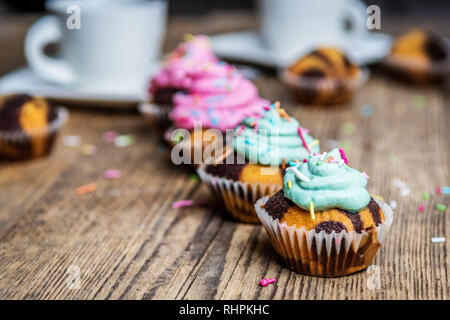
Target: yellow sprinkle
x: 311, y: 210
x: 312, y: 144
x: 289, y: 184
x: 379, y: 197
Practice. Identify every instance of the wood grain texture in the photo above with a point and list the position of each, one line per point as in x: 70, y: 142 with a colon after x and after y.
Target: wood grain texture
x: 130, y: 244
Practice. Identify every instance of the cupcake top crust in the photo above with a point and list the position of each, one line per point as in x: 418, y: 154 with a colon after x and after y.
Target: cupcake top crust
x: 420, y: 46
x: 325, y: 182
x: 191, y: 54
x: 271, y: 137
x: 25, y: 113
x: 322, y: 63
x: 219, y: 97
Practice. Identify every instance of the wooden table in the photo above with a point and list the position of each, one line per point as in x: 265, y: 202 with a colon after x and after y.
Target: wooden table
x: 128, y: 243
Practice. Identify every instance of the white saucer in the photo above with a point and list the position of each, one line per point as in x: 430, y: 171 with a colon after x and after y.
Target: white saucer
x: 25, y: 80
x: 248, y: 46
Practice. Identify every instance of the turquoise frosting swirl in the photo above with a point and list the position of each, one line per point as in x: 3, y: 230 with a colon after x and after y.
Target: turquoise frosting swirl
x: 274, y: 139
x: 331, y: 185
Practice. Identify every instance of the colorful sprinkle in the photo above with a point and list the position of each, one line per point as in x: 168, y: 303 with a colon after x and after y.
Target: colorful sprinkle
x: 182, y: 203
x: 124, y: 140
x: 419, y: 101
x: 425, y: 196
x: 300, y: 175
x: 266, y: 282
x: 343, y: 156
x: 393, y: 204
x: 311, y: 210
x: 438, y: 190
x: 421, y: 208
x: 193, y: 177
x: 89, y: 149
x: 86, y: 189
x: 289, y: 184
x: 328, y: 159
x: 283, y: 164
x: 299, y: 130
x: 109, y: 136
x: 112, y: 174
x: 72, y: 141
x: 365, y: 175
x: 313, y: 144
x: 441, y: 207
x: 445, y: 190
x: 348, y: 128
x: 438, y: 239
x: 378, y: 197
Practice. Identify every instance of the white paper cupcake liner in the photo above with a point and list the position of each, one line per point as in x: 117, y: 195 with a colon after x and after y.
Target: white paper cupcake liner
x: 322, y: 254
x: 340, y: 89
x: 238, y: 197
x: 156, y: 115
x: 16, y: 145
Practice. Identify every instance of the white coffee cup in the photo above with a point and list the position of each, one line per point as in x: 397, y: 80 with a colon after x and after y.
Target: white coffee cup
x: 292, y: 25
x: 114, y: 48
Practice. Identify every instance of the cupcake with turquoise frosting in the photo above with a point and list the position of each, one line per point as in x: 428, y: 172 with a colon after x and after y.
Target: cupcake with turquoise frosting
x: 323, y: 222
x: 254, y: 164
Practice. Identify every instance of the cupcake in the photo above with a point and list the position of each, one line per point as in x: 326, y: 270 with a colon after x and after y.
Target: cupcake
x: 254, y: 164
x: 323, y: 222
x: 419, y: 56
x: 28, y: 126
x: 194, y: 53
x: 219, y: 98
x: 324, y: 76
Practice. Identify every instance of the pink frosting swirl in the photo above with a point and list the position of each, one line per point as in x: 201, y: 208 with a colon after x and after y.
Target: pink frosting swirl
x: 192, y: 54
x: 219, y: 97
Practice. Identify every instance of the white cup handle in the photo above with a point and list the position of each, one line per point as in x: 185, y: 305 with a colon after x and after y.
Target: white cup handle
x: 356, y: 11
x: 44, y: 31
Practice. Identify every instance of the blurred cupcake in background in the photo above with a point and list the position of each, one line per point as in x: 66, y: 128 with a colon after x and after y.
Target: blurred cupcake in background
x: 219, y: 98
x: 254, y: 164
x: 419, y: 56
x: 28, y: 126
x: 323, y: 222
x: 191, y: 55
x: 324, y: 76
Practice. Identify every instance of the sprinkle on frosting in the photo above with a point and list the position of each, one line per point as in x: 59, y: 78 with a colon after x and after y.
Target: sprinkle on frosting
x: 327, y: 186
x: 276, y: 139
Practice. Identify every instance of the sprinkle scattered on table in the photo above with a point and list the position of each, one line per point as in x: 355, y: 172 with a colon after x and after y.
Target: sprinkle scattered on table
x: 438, y: 239
x: 348, y: 128
x: 182, y: 203
x: 86, y: 188
x: 89, y: 149
x: 392, y: 158
x: 441, y: 207
x: 419, y: 101
x: 405, y: 191
x: 193, y: 177
x: 425, y: 196
x: 445, y: 190
x: 438, y: 190
x: 71, y: 141
x: 124, y: 140
x: 109, y: 136
x: 112, y: 174
x: 266, y: 282
x: 366, y: 111
x: 421, y: 208
x: 393, y: 204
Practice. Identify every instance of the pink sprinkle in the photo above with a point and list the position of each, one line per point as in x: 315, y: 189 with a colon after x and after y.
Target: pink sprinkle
x: 266, y: 282
x: 365, y: 175
x: 267, y: 108
x: 299, y: 130
x: 305, y: 130
x: 315, y: 154
x: 111, y: 174
x: 343, y: 156
x: 421, y: 208
x: 438, y: 190
x: 182, y: 203
x: 256, y: 127
x: 109, y: 136
x: 305, y: 160
x: 240, y: 130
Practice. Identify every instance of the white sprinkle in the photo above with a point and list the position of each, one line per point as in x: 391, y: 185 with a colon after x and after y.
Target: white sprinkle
x: 405, y: 191
x: 72, y: 141
x: 399, y: 184
x: 300, y: 175
x: 438, y: 239
x: 393, y: 204
x: 323, y: 156
x: 341, y: 162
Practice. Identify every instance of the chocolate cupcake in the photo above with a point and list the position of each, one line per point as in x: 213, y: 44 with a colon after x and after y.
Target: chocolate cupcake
x: 419, y: 56
x: 323, y: 222
x: 324, y: 76
x: 254, y: 165
x: 28, y: 126
x: 194, y: 54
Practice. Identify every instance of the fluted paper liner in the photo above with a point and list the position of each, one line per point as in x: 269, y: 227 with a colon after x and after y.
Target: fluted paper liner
x: 321, y: 254
x: 239, y: 197
x: 17, y: 145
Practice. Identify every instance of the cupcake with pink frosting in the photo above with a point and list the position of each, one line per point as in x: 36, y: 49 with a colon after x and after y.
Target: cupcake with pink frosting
x: 219, y: 98
x: 192, y: 55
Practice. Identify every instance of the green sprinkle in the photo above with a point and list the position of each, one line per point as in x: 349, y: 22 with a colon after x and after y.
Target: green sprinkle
x: 348, y: 128
x: 319, y: 162
x: 392, y: 158
x: 193, y: 177
x: 441, y: 207
x: 419, y: 101
x: 425, y: 196
x: 124, y: 140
